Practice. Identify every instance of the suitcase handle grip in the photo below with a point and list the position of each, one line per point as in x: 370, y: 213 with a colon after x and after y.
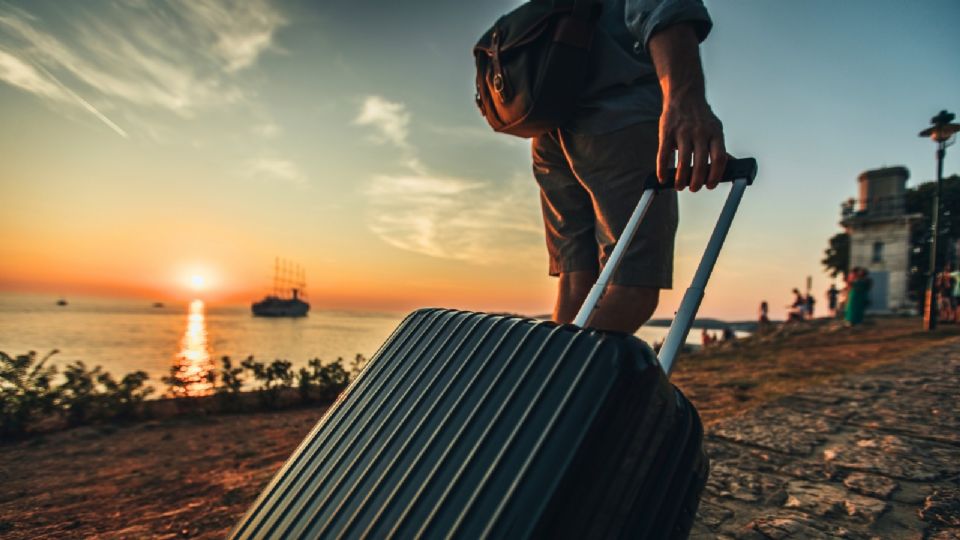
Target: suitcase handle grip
x: 742, y: 173
x: 734, y: 170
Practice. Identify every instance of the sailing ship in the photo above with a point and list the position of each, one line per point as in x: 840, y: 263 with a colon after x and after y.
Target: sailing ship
x: 289, y: 291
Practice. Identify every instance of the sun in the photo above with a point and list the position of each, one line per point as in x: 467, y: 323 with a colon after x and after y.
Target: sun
x: 197, y: 282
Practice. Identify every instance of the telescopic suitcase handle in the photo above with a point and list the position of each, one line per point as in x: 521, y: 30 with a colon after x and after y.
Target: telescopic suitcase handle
x: 741, y: 172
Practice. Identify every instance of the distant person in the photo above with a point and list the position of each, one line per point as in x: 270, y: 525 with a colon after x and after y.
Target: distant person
x: 955, y: 292
x: 833, y: 295
x: 764, y: 319
x: 809, y: 303
x: 945, y: 285
x: 705, y: 338
x: 867, y: 285
x: 845, y: 293
x: 729, y: 334
x: 940, y: 291
x: 859, y: 284
x: 797, y: 308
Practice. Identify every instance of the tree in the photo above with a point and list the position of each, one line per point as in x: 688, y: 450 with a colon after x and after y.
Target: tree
x: 836, y: 258
x: 919, y: 200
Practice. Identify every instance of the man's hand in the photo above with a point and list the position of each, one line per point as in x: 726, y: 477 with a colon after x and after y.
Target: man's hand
x: 687, y: 125
x: 690, y: 128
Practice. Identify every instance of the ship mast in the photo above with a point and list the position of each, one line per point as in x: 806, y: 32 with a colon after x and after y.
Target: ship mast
x: 276, y: 273
x: 289, y: 279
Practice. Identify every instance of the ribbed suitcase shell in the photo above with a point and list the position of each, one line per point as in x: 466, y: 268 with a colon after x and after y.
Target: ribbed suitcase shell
x: 472, y: 425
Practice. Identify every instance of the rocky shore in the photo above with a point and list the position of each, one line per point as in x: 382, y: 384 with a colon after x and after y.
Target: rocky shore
x: 875, y: 455
x: 814, y: 431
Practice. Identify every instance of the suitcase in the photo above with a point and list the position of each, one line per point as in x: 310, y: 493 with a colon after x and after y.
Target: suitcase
x: 473, y: 425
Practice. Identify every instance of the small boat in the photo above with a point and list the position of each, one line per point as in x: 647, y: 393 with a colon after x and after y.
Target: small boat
x: 289, y: 282
x: 158, y: 304
x: 62, y: 302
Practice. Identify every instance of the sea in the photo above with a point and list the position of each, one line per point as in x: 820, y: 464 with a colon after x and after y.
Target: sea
x: 189, y: 339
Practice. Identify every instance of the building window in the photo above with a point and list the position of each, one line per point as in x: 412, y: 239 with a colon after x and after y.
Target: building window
x: 877, y: 252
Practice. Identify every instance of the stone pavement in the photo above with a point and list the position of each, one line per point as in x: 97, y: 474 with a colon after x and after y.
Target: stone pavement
x: 876, y: 455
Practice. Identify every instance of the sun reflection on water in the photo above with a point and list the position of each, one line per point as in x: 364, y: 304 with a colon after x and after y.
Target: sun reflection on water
x: 193, y: 368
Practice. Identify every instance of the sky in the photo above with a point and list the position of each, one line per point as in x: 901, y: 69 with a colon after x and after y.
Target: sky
x: 144, y: 143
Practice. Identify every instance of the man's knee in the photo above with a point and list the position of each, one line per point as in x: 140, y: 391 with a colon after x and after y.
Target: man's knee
x: 638, y: 300
x: 572, y: 291
x: 625, y: 309
x: 575, y: 284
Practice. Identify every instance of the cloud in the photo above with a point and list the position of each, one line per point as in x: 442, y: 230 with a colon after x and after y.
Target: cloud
x: 267, y: 130
x: 242, y: 29
x: 452, y: 218
x: 24, y: 76
x: 475, y: 133
x: 443, y: 216
x: 275, y: 169
x: 179, y: 57
x: 390, y: 119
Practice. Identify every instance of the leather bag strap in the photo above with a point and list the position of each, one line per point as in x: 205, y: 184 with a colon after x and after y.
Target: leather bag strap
x: 577, y: 29
x: 582, y: 9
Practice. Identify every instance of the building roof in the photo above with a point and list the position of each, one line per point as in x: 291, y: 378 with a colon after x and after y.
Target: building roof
x: 897, y: 170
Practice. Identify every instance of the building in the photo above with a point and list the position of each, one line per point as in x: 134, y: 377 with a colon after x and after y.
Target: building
x: 880, y: 231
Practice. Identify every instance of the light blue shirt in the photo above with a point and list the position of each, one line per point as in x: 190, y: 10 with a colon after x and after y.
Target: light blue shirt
x: 623, y: 88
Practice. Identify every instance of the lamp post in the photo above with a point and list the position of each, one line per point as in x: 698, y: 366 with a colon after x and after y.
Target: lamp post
x: 941, y: 132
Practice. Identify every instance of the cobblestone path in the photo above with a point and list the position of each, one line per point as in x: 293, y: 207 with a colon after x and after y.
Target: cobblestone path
x: 876, y: 455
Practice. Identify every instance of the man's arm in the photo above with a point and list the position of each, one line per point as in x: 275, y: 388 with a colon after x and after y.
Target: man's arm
x: 687, y: 124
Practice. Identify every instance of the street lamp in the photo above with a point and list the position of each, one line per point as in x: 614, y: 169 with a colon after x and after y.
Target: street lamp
x: 941, y: 132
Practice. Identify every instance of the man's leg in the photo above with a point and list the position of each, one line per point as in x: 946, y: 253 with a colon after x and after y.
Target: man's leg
x: 623, y: 309
x: 572, y: 290
x: 612, y: 168
x: 585, y: 214
x: 569, y: 225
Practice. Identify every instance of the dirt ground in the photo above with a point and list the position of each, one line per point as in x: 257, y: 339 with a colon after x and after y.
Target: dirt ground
x: 195, y: 477
x: 734, y: 377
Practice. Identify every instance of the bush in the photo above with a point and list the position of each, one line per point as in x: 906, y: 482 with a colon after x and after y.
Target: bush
x: 78, y: 394
x: 231, y: 385
x: 274, y: 378
x: 231, y: 378
x: 84, y: 394
x: 307, y: 380
x: 323, y: 382
x: 122, y: 400
x: 26, y: 391
x: 181, y: 383
x: 28, y: 388
x: 359, y: 362
x: 91, y: 394
x: 176, y: 385
x: 333, y: 379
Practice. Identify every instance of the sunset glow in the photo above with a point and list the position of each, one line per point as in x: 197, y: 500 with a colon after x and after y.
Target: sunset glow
x: 192, y: 365
x: 197, y: 282
x: 185, y: 168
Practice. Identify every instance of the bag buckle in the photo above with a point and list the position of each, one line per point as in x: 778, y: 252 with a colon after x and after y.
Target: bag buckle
x: 499, y: 82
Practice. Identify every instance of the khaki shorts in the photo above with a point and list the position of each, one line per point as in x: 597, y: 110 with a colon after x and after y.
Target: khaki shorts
x: 589, y: 187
